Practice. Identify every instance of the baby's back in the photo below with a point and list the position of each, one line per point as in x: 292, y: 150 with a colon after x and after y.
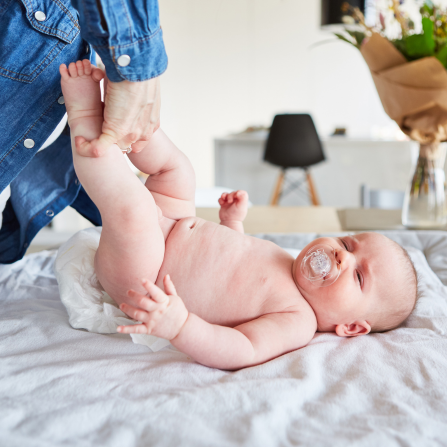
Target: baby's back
x: 226, y: 277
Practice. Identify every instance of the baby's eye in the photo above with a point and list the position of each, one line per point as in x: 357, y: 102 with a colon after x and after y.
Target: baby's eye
x: 344, y: 243
x: 359, y: 277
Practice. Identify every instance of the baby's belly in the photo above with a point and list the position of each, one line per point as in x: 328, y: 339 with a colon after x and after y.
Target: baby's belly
x: 220, y: 274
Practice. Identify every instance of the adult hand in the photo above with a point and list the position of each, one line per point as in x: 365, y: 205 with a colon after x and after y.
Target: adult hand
x: 131, y: 114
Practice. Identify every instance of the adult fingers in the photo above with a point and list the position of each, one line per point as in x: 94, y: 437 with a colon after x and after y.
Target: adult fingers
x: 94, y: 148
x: 155, y: 292
x: 138, y: 146
x: 152, y: 122
x: 127, y: 141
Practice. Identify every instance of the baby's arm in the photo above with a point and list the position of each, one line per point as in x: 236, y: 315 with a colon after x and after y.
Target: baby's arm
x: 248, y: 344
x: 251, y: 343
x: 233, y: 209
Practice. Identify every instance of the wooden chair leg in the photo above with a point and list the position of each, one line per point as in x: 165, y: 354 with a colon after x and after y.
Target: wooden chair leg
x: 278, y: 189
x: 312, y: 190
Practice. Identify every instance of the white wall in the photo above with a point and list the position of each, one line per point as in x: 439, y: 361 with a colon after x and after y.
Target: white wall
x: 235, y: 63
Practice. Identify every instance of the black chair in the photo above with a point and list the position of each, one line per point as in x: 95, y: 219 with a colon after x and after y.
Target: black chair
x: 293, y: 143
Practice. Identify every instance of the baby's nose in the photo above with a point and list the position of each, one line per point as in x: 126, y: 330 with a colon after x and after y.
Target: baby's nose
x: 344, y: 258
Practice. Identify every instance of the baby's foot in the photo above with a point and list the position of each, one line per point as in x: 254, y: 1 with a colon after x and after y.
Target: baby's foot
x: 82, y: 95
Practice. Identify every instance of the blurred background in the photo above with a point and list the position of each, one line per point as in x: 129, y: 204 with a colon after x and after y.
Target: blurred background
x: 235, y: 64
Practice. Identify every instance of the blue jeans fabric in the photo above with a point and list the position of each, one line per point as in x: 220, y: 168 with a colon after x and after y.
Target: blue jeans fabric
x: 30, y: 106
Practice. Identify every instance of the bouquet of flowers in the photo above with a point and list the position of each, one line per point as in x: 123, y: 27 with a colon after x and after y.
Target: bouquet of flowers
x: 409, y: 70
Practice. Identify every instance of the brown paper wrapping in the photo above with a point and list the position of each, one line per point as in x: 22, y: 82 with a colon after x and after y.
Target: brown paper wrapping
x: 414, y: 94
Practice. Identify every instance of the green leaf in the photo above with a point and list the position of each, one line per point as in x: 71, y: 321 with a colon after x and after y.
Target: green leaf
x: 441, y: 55
x: 421, y: 45
x: 428, y: 7
x: 345, y: 39
x: 357, y: 35
x: 401, y: 46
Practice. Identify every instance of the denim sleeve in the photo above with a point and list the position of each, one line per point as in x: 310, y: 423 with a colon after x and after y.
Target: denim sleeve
x: 127, y: 36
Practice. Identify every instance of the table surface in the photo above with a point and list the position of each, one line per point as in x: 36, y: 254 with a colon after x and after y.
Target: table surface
x: 319, y: 219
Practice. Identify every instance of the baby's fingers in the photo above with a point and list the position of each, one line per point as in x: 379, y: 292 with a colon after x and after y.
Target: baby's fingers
x: 132, y: 329
x: 155, y: 292
x: 136, y: 314
x: 141, y: 301
x: 241, y: 195
x: 169, y: 286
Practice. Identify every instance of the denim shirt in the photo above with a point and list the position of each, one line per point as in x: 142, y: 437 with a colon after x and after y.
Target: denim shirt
x: 36, y: 36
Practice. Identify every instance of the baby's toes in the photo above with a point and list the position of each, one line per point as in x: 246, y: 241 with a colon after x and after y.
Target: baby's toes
x: 87, y: 67
x: 63, y: 70
x: 73, y: 70
x: 80, y: 67
x: 97, y: 74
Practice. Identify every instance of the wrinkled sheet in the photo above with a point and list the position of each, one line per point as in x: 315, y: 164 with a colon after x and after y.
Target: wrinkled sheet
x: 61, y: 386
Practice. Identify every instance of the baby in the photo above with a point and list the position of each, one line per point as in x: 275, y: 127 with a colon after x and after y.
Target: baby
x: 238, y: 300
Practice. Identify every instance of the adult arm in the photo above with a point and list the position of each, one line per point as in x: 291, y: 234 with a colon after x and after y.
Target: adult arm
x: 127, y: 36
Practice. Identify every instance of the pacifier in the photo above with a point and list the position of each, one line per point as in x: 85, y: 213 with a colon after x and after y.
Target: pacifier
x: 320, y: 265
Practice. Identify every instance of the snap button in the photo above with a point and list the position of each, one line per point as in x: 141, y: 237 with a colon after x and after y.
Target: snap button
x: 28, y: 143
x: 49, y: 213
x: 61, y: 100
x: 123, y: 60
x: 76, y: 182
x: 40, y: 16
x: 87, y: 48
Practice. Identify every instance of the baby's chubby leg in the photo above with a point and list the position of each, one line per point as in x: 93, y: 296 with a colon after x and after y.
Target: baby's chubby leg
x: 132, y: 242
x: 171, y: 178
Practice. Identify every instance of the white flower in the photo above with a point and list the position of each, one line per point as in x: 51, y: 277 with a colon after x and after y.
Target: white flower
x: 348, y: 20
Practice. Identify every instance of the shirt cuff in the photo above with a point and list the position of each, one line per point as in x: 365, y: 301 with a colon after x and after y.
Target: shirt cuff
x: 138, y: 61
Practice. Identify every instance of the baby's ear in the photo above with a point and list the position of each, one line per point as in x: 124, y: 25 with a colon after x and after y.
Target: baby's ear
x: 354, y: 329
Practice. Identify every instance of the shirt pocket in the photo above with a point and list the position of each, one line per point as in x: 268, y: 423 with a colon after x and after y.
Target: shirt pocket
x: 32, y: 34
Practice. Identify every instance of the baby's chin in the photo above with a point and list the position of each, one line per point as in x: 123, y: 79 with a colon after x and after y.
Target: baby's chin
x: 306, y: 287
x: 307, y: 290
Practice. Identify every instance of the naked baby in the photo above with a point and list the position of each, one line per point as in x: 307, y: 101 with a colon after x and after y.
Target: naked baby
x: 226, y: 299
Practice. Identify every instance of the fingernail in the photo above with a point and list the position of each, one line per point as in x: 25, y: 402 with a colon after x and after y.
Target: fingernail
x: 168, y: 276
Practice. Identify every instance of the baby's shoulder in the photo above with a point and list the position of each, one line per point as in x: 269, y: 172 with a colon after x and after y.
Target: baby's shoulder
x: 287, y: 298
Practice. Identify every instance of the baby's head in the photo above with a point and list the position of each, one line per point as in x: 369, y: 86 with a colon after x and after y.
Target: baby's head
x: 376, y: 289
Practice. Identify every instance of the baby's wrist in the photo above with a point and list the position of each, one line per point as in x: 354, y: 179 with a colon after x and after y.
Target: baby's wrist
x: 230, y: 221
x: 182, y: 326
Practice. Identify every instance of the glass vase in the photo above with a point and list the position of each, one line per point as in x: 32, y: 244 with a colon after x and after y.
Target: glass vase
x: 424, y: 203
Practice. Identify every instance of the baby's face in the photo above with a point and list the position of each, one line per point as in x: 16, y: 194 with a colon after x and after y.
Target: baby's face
x: 369, y: 277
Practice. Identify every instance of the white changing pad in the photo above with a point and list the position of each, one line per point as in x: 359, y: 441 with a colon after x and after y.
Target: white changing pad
x: 60, y: 386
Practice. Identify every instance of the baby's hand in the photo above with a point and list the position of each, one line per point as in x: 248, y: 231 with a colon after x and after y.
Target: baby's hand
x: 162, y: 314
x: 233, y: 206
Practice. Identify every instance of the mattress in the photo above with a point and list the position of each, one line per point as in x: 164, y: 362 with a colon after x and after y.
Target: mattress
x: 65, y: 386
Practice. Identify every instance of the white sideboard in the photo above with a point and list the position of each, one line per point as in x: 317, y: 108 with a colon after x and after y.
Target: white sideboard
x: 380, y: 164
